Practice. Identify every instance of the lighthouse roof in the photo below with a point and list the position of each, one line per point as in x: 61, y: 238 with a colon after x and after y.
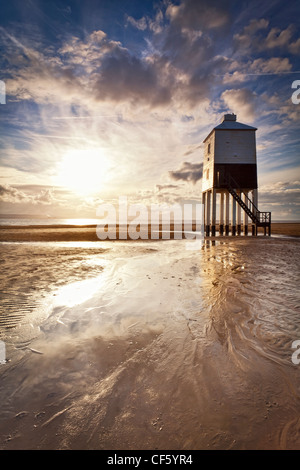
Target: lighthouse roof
x: 229, y: 122
x: 234, y: 125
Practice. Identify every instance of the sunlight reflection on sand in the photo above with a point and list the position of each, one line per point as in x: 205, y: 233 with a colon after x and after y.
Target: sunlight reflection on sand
x: 78, y: 292
x: 150, y: 345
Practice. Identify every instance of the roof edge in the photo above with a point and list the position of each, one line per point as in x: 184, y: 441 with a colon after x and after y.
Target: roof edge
x: 218, y: 128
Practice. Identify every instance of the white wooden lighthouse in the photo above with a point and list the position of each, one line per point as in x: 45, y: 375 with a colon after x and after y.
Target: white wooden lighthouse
x: 230, y: 180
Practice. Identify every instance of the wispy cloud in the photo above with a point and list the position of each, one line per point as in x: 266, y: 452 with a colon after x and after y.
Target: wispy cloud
x: 257, y: 35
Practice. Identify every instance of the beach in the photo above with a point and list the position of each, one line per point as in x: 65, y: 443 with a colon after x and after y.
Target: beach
x: 147, y: 344
x: 88, y: 233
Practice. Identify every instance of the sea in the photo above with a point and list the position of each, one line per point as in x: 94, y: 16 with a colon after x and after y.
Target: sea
x: 47, y: 221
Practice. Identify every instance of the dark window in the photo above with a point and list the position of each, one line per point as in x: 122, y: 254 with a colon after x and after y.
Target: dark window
x: 208, y: 148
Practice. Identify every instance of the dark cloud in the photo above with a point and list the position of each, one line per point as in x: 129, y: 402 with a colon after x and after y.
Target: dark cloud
x: 188, y: 172
x: 188, y: 45
x: 179, y: 66
x: 198, y: 15
x: 123, y: 77
x: 163, y: 187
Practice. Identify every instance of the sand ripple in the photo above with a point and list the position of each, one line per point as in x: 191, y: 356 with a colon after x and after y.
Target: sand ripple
x: 157, y: 347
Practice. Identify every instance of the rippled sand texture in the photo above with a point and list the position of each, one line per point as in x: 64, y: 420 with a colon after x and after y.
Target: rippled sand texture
x: 151, y: 346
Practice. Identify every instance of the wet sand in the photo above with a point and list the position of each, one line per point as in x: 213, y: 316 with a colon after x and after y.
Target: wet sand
x: 148, y: 345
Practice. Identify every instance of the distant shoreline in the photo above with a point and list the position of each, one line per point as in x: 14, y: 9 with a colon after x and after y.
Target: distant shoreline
x: 31, y: 233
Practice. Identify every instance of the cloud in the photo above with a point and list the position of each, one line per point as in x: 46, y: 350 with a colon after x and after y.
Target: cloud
x: 286, y: 188
x: 11, y: 194
x: 145, y: 108
x: 124, y: 77
x: 179, y: 68
x: 255, y: 25
x: 14, y: 195
x: 244, y: 39
x: 283, y: 197
x: 65, y: 75
x: 188, y: 172
x: 192, y: 150
x: 164, y: 187
x: 272, y: 65
x: 191, y: 14
x: 153, y: 24
x: 252, y: 38
x: 156, y: 24
x: 88, y: 71
x: 294, y: 47
x: 140, y: 24
x: 246, y: 71
x: 242, y: 102
x: 278, y: 38
x: 45, y: 197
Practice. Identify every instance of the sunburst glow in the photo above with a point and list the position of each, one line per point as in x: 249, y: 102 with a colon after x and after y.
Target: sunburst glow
x: 83, y: 171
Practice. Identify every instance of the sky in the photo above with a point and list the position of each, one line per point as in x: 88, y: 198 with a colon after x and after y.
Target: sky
x: 111, y: 98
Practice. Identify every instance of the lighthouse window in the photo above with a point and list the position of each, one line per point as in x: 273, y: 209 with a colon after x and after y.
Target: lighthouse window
x: 208, y: 148
x: 207, y: 174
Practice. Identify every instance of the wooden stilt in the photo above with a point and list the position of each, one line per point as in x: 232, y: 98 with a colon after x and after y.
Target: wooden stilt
x: 239, y: 216
x: 207, y: 227
x: 221, y: 227
x: 227, y: 196
x: 233, y: 218
x: 245, y: 213
x: 213, y: 213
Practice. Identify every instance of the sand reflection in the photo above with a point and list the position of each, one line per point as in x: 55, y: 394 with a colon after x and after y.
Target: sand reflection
x: 162, y: 348
x: 78, y: 292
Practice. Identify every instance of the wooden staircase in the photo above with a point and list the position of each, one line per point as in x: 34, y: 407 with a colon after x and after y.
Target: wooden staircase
x: 259, y: 219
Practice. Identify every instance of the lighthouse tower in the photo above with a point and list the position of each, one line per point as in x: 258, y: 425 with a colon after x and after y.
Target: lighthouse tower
x: 230, y: 180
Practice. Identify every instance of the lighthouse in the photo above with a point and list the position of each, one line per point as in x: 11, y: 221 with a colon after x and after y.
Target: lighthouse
x: 230, y: 180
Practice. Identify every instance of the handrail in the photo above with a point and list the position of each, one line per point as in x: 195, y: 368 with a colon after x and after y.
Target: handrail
x: 236, y: 186
x: 262, y: 217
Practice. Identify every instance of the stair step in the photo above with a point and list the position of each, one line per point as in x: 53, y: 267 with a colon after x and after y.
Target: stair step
x: 243, y: 205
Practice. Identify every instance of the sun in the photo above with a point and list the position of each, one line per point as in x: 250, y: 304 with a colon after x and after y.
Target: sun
x: 84, y: 171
